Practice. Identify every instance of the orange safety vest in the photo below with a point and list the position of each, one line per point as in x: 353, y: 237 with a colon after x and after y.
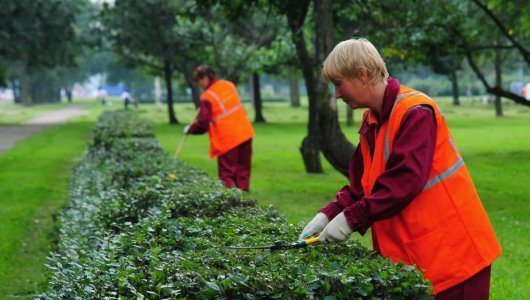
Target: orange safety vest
x: 229, y: 126
x: 444, y: 231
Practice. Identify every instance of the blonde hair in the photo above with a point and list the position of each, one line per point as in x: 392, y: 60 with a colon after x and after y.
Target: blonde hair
x: 350, y: 55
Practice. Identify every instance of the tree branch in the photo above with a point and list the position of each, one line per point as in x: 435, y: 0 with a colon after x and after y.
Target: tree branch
x: 492, y: 47
x: 136, y: 60
x: 500, y: 25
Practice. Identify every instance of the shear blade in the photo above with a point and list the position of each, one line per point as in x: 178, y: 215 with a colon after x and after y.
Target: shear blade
x: 251, y: 247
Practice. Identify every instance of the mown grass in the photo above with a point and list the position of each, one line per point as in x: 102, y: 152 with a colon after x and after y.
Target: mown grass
x: 496, y: 150
x: 34, y: 181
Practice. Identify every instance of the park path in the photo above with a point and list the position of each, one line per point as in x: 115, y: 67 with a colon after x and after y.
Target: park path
x: 11, y: 134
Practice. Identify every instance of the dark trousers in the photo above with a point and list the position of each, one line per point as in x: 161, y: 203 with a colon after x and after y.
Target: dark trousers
x: 476, y: 287
x: 234, y: 166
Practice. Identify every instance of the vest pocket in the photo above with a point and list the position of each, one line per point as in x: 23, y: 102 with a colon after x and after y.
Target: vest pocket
x: 433, y: 256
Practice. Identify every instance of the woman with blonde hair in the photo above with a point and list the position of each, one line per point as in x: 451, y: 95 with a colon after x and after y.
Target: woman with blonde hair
x: 408, y: 181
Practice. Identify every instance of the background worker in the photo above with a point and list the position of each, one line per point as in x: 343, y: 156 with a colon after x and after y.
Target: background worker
x: 408, y: 181
x: 126, y: 96
x: 223, y: 116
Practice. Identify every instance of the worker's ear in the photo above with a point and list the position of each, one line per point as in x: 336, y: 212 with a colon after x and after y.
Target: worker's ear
x: 362, y: 75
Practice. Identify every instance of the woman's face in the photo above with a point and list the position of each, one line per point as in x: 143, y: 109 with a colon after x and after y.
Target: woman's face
x: 351, y: 91
x: 204, y: 82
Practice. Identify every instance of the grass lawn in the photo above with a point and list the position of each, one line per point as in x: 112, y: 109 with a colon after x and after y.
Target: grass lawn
x: 496, y: 150
x: 34, y: 181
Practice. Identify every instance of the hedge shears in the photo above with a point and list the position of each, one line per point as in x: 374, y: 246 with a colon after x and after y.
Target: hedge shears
x: 280, y: 245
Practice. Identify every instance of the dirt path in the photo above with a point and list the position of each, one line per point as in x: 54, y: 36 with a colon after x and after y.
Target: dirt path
x: 11, y: 134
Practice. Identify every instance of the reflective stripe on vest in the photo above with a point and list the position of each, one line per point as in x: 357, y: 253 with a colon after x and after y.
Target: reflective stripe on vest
x: 225, y: 113
x: 219, y: 102
x: 442, y: 175
x: 399, y: 98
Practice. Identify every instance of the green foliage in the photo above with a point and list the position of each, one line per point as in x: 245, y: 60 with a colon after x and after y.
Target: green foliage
x: 442, y: 34
x: 163, y: 232
x: 38, y: 32
x: 105, y: 133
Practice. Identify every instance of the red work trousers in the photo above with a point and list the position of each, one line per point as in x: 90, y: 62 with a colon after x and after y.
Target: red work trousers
x: 477, y: 287
x: 234, y: 166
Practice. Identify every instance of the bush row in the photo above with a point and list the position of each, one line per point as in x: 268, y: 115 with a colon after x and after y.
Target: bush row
x: 140, y: 225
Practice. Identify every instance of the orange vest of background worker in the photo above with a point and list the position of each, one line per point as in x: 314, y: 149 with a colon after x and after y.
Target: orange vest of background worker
x: 222, y: 114
x: 449, y: 239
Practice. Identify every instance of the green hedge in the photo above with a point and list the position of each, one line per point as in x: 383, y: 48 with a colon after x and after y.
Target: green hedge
x: 140, y: 225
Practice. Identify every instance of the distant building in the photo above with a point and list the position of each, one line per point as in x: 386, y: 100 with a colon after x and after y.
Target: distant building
x: 113, y: 90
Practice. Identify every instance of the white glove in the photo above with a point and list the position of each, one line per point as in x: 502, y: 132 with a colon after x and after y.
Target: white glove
x: 186, y: 129
x: 315, y: 226
x: 338, y: 230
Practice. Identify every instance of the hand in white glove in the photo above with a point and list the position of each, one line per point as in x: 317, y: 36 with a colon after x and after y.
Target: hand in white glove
x: 315, y: 226
x: 338, y: 230
x: 186, y: 129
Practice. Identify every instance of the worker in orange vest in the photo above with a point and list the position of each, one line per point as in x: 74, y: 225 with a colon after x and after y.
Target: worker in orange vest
x: 408, y: 181
x: 222, y: 115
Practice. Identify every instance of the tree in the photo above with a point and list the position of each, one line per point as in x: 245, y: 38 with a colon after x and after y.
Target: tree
x: 36, y: 35
x: 278, y: 60
x: 458, y: 29
x: 256, y: 99
x: 511, y: 23
x: 240, y: 41
x: 324, y: 133
x: 143, y: 35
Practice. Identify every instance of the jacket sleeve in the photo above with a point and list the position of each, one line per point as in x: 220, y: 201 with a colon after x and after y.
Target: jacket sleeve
x: 349, y: 193
x: 406, y: 173
x: 201, y: 124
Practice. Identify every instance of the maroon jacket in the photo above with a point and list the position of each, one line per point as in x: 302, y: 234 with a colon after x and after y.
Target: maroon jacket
x: 201, y: 124
x: 406, y: 172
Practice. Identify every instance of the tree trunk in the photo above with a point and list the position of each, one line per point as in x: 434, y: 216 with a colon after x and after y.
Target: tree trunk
x: 23, y: 84
x: 294, y: 91
x: 349, y: 116
x: 454, y: 81
x: 256, y: 99
x: 195, y: 92
x: 310, y: 146
x: 15, y: 87
x: 498, y: 81
x: 333, y: 143
x: 195, y: 95
x: 324, y: 133
x: 43, y: 89
x: 25, y: 90
x: 168, y: 70
x: 68, y: 93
